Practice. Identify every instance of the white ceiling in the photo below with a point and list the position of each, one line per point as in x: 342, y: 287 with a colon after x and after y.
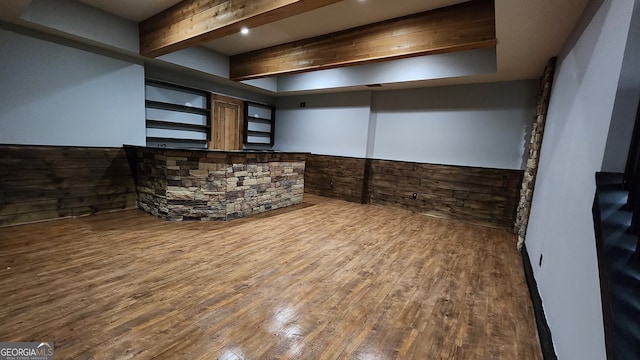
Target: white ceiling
x: 529, y: 32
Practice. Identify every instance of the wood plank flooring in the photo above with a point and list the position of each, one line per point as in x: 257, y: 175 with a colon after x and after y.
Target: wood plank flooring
x: 323, y: 280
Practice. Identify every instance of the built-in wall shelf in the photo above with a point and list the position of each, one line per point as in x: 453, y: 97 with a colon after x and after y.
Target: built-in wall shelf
x: 176, y: 116
x: 160, y: 124
x: 175, y: 107
x: 176, y: 142
x: 259, y: 124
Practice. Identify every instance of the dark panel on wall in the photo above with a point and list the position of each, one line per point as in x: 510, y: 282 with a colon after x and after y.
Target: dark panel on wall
x: 335, y: 177
x: 48, y: 182
x: 477, y: 195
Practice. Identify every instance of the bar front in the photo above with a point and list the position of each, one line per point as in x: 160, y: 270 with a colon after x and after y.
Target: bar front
x: 176, y: 184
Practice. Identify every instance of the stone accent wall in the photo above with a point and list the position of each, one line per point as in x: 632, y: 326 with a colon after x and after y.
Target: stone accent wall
x: 211, y: 185
x: 151, y: 182
x: 533, y: 159
x: 50, y: 182
x: 335, y: 177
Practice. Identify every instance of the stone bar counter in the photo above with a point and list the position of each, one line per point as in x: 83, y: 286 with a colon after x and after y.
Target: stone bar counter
x: 175, y: 184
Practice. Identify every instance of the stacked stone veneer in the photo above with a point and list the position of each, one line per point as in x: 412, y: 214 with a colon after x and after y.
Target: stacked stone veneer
x: 533, y: 159
x: 211, y: 185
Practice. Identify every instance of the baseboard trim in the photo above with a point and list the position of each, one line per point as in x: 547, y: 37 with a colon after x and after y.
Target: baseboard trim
x: 544, y: 333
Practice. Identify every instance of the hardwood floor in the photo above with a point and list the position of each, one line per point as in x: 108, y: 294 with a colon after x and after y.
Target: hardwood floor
x: 323, y: 280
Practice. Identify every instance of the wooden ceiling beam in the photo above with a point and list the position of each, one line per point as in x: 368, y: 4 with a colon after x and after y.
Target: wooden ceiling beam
x: 465, y: 26
x: 192, y: 22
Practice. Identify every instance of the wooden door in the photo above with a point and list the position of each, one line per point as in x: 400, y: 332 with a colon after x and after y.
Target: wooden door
x: 227, y: 123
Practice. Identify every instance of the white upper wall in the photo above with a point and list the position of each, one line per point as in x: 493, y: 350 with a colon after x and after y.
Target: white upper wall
x: 330, y: 124
x: 57, y: 95
x: 84, y: 24
x: 482, y: 125
x: 270, y: 83
x: 438, y: 66
x: 84, y: 21
x: 561, y: 225
x: 201, y: 59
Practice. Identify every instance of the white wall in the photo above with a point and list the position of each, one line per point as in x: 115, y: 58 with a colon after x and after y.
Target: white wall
x: 84, y: 21
x: 331, y: 124
x: 201, y: 59
x: 561, y: 225
x: 481, y: 125
x: 438, y: 66
x: 57, y: 95
x: 270, y: 83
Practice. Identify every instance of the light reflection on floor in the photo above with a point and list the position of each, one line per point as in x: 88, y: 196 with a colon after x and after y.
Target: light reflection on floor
x: 232, y: 354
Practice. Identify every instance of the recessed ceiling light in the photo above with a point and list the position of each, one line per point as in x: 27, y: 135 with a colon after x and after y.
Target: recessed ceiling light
x: 244, y: 30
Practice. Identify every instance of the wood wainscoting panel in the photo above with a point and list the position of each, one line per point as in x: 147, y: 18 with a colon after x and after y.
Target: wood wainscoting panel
x: 335, y: 177
x: 48, y: 182
x: 481, y: 196
x: 476, y: 195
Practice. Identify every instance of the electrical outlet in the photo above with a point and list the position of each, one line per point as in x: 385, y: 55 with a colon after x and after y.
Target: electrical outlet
x: 540, y: 261
x: 303, y: 104
x: 331, y: 184
x: 414, y: 196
